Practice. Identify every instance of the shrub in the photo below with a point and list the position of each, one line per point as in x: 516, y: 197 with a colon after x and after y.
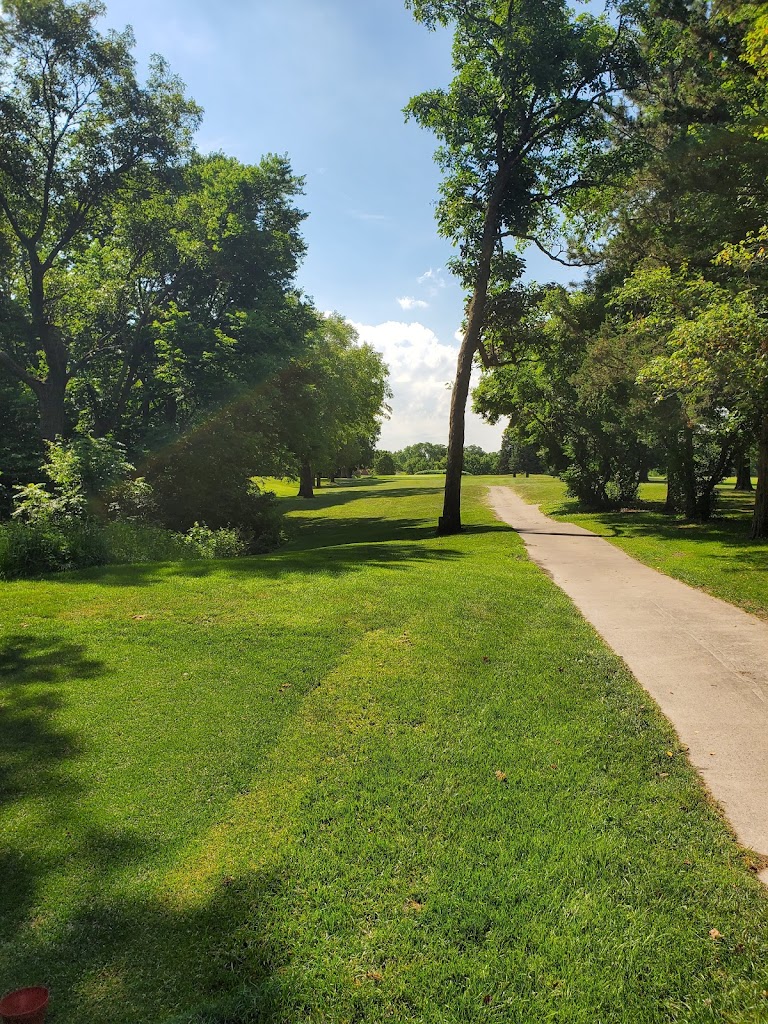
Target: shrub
x: 130, y: 542
x: 31, y: 549
x: 132, y: 500
x: 206, y: 478
x: 35, y: 549
x: 384, y: 464
x: 207, y: 543
x: 602, y: 487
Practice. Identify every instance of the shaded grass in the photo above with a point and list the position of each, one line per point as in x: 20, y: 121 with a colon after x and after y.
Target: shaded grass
x: 717, y: 556
x: 267, y: 790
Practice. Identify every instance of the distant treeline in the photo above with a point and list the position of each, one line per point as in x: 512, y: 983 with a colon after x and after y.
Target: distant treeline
x: 425, y: 457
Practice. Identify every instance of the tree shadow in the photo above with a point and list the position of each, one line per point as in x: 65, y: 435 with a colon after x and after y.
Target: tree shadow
x: 329, y: 498
x: 137, y: 960
x: 66, y: 917
x: 327, y: 546
x: 33, y: 746
x: 34, y: 750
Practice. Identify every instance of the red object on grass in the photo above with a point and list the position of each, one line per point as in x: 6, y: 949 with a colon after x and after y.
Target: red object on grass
x: 24, y: 1006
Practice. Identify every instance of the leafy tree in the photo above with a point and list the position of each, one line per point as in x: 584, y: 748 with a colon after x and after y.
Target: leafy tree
x: 479, y: 462
x: 517, y: 456
x: 76, y: 125
x: 331, y: 400
x: 195, y: 298
x: 570, y: 391
x: 423, y: 457
x: 693, y: 164
x: 523, y: 115
x: 715, y: 361
x: 384, y: 464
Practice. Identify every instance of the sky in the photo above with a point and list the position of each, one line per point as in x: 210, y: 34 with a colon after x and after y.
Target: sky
x: 325, y: 82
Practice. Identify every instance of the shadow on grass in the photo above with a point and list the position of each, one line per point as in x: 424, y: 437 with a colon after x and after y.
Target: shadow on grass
x: 111, y: 950
x: 329, y: 498
x: 33, y: 752
x: 32, y: 744
x: 326, y: 546
x: 134, y: 960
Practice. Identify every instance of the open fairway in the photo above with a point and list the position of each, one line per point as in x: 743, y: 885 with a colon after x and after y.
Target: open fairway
x: 717, y: 556
x: 376, y: 775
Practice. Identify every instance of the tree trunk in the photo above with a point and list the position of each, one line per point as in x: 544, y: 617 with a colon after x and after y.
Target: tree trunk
x: 305, y: 480
x: 743, y: 473
x: 50, y: 392
x: 450, y: 521
x: 318, y: 480
x: 50, y: 399
x: 760, y: 516
x: 688, y: 475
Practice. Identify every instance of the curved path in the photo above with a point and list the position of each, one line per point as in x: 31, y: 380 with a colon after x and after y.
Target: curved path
x: 705, y: 662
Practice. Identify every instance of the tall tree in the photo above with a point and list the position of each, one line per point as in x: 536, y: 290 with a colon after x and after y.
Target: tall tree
x: 187, y: 296
x: 518, y: 125
x: 331, y: 400
x: 74, y: 125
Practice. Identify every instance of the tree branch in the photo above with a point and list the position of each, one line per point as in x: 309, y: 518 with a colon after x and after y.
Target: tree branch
x: 18, y: 371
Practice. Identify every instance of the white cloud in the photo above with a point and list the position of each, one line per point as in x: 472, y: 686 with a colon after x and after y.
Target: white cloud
x: 433, y: 281
x: 434, y: 277
x: 408, y: 302
x: 422, y: 369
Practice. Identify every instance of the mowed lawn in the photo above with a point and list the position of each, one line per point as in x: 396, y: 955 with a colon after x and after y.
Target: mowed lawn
x: 717, y: 556
x: 373, y: 776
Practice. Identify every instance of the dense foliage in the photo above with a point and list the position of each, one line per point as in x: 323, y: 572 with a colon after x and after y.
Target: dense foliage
x: 654, y: 173
x: 148, y: 306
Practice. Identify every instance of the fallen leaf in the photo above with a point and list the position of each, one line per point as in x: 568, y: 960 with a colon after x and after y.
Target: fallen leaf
x: 375, y: 976
x: 501, y: 776
x: 138, y: 618
x: 715, y: 934
x: 414, y: 905
x: 486, y: 658
x: 670, y: 753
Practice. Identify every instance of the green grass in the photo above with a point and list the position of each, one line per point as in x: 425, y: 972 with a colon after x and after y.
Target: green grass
x: 717, y: 556
x: 266, y: 790
x: 283, y: 487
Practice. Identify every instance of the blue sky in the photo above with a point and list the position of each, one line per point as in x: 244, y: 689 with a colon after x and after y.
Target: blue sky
x: 325, y: 81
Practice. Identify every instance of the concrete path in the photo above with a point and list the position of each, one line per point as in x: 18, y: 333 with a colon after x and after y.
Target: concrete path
x: 703, y: 661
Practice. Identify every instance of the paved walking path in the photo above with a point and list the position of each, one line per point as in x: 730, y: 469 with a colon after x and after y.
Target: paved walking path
x: 705, y: 662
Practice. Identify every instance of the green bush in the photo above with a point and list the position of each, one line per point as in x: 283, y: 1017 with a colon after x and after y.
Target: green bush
x: 31, y: 549
x: 602, y: 486
x: 384, y: 464
x: 35, y: 549
x: 206, y: 478
x: 207, y: 543
x: 130, y: 542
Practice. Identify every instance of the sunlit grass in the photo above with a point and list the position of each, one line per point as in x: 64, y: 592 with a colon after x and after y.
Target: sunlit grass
x: 376, y: 775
